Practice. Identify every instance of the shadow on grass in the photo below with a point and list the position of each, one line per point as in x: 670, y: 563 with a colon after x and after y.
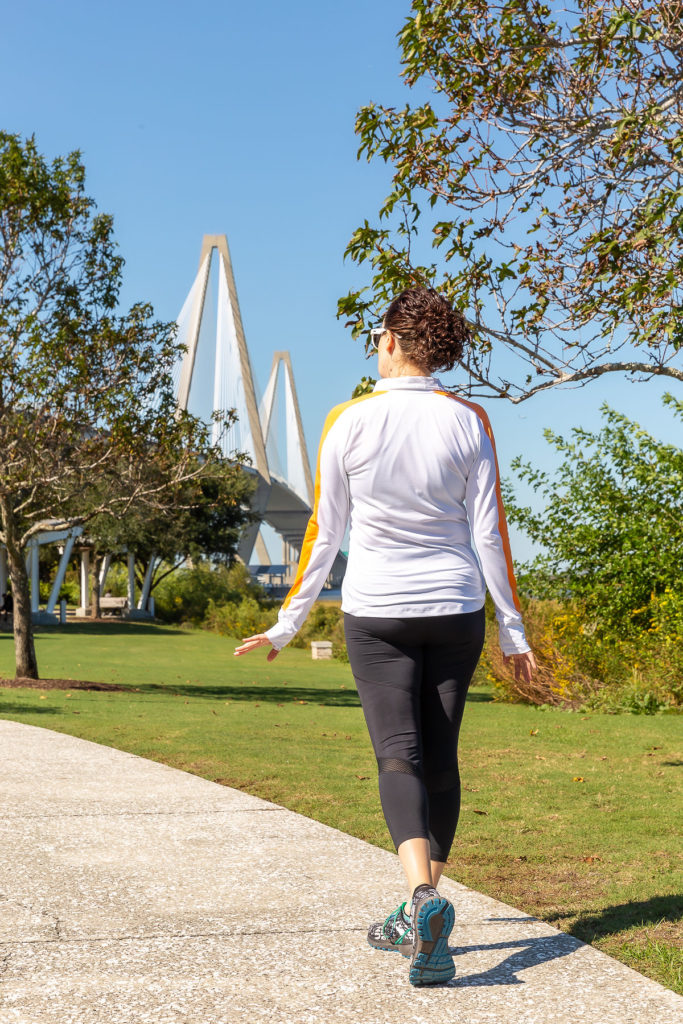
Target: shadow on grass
x: 15, y: 708
x: 259, y: 694
x: 113, y: 628
x: 253, y: 693
x: 622, y: 916
x: 268, y: 694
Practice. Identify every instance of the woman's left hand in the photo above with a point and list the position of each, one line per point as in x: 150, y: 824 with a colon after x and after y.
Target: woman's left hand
x: 250, y: 643
x: 524, y: 665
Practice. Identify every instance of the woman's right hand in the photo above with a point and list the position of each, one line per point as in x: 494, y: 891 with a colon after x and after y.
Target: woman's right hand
x: 250, y: 643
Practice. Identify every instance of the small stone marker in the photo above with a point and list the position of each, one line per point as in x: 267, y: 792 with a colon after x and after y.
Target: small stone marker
x: 321, y: 649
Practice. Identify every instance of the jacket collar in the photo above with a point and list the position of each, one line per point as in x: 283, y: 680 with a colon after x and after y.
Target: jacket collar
x: 408, y: 384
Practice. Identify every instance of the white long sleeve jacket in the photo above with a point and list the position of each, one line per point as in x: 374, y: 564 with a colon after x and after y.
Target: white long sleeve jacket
x: 414, y: 470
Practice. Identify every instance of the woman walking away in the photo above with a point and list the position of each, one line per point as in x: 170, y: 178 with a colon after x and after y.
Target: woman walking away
x: 414, y: 469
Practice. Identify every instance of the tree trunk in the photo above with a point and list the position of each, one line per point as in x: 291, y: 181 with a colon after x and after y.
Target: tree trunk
x: 26, y: 663
x: 95, y: 591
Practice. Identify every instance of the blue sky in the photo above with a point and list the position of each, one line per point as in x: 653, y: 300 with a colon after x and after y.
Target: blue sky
x: 238, y: 119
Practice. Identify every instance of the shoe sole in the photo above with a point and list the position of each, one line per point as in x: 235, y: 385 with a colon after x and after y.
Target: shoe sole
x: 406, y: 951
x: 432, y: 963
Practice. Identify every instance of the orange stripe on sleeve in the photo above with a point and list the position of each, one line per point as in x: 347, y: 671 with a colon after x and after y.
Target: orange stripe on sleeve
x: 502, y: 521
x: 312, y: 529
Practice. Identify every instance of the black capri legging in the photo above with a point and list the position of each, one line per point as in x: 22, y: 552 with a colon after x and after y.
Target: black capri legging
x: 412, y: 676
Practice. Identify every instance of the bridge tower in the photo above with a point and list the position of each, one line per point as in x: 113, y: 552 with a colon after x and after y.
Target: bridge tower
x: 215, y: 374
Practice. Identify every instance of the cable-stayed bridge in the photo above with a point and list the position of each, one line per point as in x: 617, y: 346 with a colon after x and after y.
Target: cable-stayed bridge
x: 215, y: 374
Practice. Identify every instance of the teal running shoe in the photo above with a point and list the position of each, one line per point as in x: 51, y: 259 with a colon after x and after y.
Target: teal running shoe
x: 395, y: 933
x: 433, y: 918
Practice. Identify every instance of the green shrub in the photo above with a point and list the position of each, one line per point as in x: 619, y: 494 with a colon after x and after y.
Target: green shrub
x: 606, y: 622
x: 257, y: 614
x: 184, y: 596
x: 323, y: 619
x: 611, y: 529
x: 70, y: 591
x: 578, y: 666
x: 240, y: 619
x: 325, y: 622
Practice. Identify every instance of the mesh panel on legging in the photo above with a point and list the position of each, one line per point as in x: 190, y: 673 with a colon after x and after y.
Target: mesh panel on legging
x: 397, y: 764
x: 404, y: 799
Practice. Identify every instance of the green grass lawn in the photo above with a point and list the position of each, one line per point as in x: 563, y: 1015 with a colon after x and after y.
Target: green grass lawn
x: 574, y: 818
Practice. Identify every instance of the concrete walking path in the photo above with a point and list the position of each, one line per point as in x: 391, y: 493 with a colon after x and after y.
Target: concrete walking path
x: 131, y: 892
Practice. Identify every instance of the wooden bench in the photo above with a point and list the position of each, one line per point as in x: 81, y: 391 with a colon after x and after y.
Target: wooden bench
x: 113, y: 605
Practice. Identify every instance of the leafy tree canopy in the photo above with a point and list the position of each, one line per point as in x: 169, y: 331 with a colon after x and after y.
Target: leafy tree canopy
x: 545, y: 165
x: 85, y: 392
x: 207, y: 516
x: 88, y: 418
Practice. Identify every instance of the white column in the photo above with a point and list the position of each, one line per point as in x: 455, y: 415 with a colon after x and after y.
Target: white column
x: 85, y: 581
x: 147, y: 584
x: 131, y: 581
x: 104, y: 572
x: 35, y: 576
x: 3, y: 570
x: 61, y: 572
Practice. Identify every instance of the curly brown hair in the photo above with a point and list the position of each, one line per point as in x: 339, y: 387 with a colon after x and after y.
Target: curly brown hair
x: 429, y: 331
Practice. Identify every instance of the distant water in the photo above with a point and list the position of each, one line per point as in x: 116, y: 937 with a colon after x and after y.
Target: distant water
x: 325, y: 595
